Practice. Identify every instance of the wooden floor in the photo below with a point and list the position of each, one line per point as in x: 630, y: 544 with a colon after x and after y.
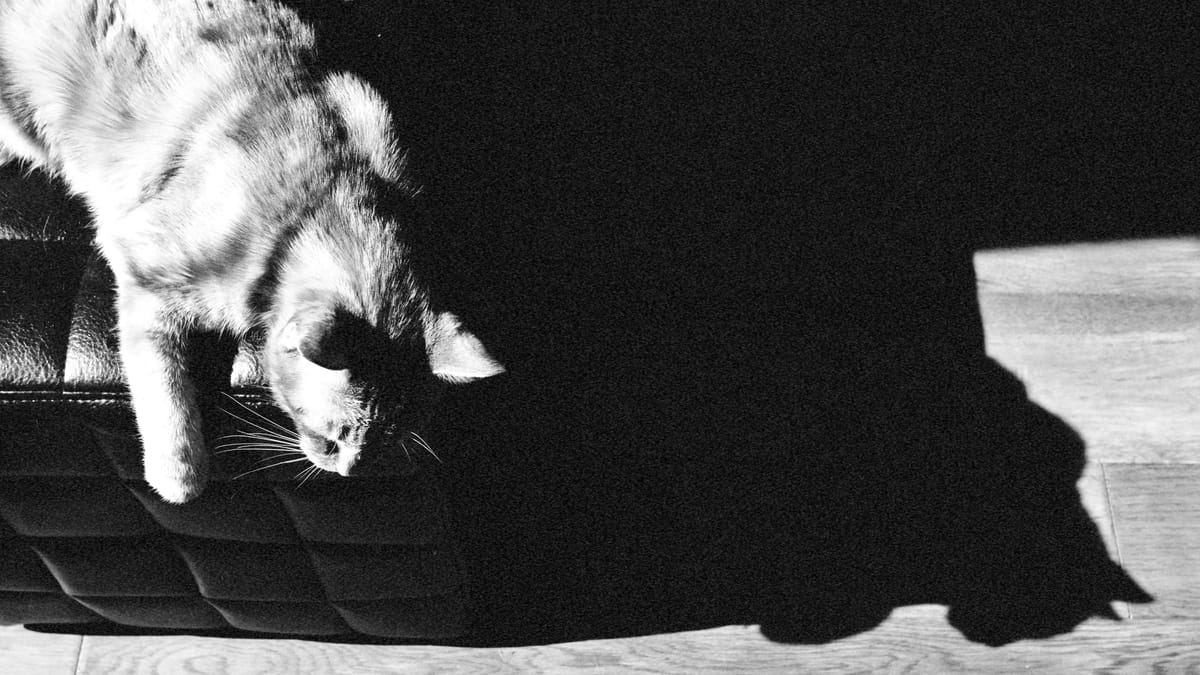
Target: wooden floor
x: 1106, y: 336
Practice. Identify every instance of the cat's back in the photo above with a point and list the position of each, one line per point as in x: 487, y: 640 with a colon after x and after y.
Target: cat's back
x: 200, y: 136
x: 194, y: 130
x: 104, y: 89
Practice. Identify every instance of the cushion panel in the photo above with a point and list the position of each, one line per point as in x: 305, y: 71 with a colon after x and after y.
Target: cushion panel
x: 179, y: 613
x: 92, y: 363
x: 440, y: 617
x: 117, y: 566
x: 246, y: 512
x: 50, y: 608
x: 234, y: 570
x: 42, y: 438
x: 22, y: 570
x: 398, y: 511
x: 36, y: 300
x: 293, y: 618
x: 69, y: 506
x: 379, y: 572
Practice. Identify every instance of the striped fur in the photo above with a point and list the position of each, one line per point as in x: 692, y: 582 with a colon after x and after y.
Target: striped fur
x: 234, y: 187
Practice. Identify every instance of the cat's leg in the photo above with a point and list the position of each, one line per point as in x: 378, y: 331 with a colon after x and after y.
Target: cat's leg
x: 163, y: 396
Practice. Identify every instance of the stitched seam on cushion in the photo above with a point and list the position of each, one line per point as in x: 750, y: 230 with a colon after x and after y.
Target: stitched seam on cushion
x: 306, y: 545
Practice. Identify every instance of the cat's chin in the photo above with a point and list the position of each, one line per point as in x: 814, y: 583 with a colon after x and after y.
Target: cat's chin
x: 337, y: 463
x: 323, y: 462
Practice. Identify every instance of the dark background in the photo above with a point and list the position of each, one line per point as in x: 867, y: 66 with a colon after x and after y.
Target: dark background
x: 725, y: 253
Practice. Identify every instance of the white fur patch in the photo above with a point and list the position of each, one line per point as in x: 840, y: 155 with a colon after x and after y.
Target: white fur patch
x: 455, y: 355
x: 368, y: 123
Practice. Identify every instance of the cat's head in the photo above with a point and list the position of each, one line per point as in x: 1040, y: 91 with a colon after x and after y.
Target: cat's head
x: 356, y: 395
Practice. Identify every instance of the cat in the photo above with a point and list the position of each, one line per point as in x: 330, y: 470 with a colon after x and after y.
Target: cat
x: 234, y: 186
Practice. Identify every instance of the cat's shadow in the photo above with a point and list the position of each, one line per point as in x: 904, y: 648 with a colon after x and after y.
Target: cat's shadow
x: 727, y: 260
x: 667, y: 458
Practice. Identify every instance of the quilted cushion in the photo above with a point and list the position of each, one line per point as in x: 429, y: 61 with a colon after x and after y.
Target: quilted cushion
x: 84, y: 539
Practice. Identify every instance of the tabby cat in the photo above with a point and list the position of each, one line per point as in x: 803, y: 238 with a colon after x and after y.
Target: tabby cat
x: 234, y: 186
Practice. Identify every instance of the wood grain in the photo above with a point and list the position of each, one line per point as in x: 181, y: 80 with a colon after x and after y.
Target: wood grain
x: 1131, y: 268
x: 1107, y: 336
x: 24, y: 651
x: 1093, y: 494
x: 909, y: 644
x: 1157, y: 516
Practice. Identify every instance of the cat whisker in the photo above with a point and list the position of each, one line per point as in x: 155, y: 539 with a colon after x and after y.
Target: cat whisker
x: 407, y: 454
x: 271, y: 459
x: 270, y: 466
x: 275, y: 451
x: 255, y: 438
x: 259, y: 444
x: 273, y: 428
x: 232, y: 444
x: 263, y: 431
x: 279, y: 463
x: 307, y: 473
x: 247, y: 447
x: 261, y: 436
x: 257, y: 414
x: 424, y: 444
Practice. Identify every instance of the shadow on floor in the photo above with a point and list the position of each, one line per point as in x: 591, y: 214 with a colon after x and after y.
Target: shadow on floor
x: 727, y: 259
x: 744, y: 458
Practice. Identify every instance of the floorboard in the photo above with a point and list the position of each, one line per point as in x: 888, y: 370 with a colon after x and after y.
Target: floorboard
x: 1094, y: 493
x: 1107, y: 336
x: 1157, y: 512
x: 23, y: 651
x: 905, y: 643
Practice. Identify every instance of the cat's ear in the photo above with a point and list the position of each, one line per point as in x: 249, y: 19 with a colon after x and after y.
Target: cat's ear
x: 455, y: 355
x: 319, y: 340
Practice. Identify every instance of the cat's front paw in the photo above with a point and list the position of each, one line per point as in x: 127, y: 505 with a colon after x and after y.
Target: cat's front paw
x: 175, y: 479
